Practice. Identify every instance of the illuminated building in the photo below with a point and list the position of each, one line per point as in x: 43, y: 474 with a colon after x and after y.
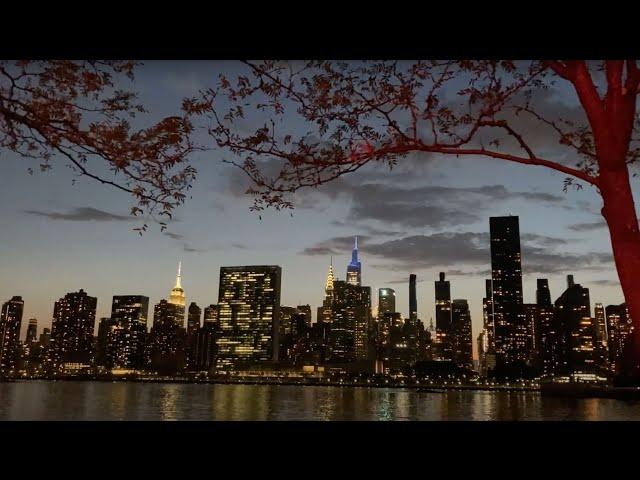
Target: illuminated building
x: 32, y: 331
x: 10, y: 322
x: 510, y: 329
x: 461, y: 337
x: 577, y: 334
x: 324, y: 311
x: 285, y: 332
x: 348, y: 337
x: 100, y: 356
x: 386, y: 301
x: 619, y: 328
x: 487, y: 355
x: 549, y: 339
x: 126, y: 332
x: 193, y: 318
x: 248, y: 316
x: 305, y: 311
x: 176, y: 297
x: 531, y: 319
x: 443, y: 319
x: 354, y: 269
x: 74, y: 318
x: 601, y: 336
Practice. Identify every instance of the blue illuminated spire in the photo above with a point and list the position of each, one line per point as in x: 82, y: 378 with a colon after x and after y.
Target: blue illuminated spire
x: 354, y: 269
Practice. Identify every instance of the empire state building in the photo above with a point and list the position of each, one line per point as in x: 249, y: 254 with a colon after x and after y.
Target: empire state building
x: 176, y: 297
x: 354, y: 269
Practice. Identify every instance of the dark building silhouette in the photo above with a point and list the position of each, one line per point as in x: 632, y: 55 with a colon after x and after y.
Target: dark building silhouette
x: 461, y: 337
x: 386, y: 301
x: 193, y: 326
x: 486, y: 339
x: 548, y: 333
x: 126, y: 332
x: 305, y: 311
x: 602, y: 352
x: 102, y: 343
x: 205, y: 346
x: 619, y: 328
x: 348, y: 337
x: 74, y: 318
x: 166, y: 345
x: 443, y: 348
x: 577, y: 334
x: 354, y: 269
x: 248, y: 316
x: 510, y: 329
x: 10, y: 323
x: 32, y: 331
x: 413, y: 298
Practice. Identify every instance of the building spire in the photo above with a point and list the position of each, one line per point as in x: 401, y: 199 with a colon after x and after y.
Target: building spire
x: 179, y: 276
x: 330, y: 278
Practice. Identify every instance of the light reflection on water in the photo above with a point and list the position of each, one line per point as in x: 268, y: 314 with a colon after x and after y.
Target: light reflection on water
x: 41, y: 400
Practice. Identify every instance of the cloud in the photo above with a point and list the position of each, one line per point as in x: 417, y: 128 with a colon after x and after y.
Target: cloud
x: 189, y: 249
x: 465, y: 253
x: 606, y: 283
x: 588, y: 226
x: 82, y: 214
x: 174, y: 236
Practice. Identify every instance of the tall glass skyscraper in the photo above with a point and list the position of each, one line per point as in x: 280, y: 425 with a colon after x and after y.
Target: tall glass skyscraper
x: 511, y: 339
x: 10, y: 322
x: 248, y: 316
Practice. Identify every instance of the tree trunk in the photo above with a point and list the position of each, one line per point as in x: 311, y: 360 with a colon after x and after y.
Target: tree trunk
x: 620, y: 214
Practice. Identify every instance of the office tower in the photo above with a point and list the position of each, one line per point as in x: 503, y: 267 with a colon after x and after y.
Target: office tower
x: 285, y: 332
x: 487, y: 356
x: 32, y: 331
x: 248, y: 316
x: 126, y: 332
x: 348, y: 337
x: 506, y: 282
x: 354, y: 269
x: 74, y: 318
x: 211, y: 313
x: 443, y: 319
x: 324, y: 311
x: 166, y: 345
x: 531, y: 319
x: 577, y: 333
x: 386, y: 301
x: 461, y: 336
x: 193, y: 318
x: 549, y: 339
x: 305, y: 310
x: 101, y: 358
x: 619, y: 328
x: 601, y: 336
x: 10, y: 323
x: 413, y: 298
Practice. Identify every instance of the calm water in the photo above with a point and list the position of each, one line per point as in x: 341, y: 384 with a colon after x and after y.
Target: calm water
x: 41, y: 400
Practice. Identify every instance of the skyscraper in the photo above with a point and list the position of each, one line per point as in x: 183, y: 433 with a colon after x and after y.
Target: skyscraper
x: 386, y: 301
x: 443, y: 319
x: 127, y: 332
x: 508, y: 314
x: 348, y: 337
x: 193, y: 319
x: 549, y: 340
x: 32, y: 331
x: 10, y: 322
x: 413, y: 298
x: 619, y: 328
x: 577, y: 333
x: 324, y: 311
x: 601, y: 336
x: 248, y: 316
x: 74, y: 318
x: 461, y: 336
x: 211, y: 313
x: 193, y: 325
x: 205, y: 353
x: 354, y: 269
x: 176, y: 297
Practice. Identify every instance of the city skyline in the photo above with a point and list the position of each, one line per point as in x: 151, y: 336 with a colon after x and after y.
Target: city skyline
x: 66, y: 236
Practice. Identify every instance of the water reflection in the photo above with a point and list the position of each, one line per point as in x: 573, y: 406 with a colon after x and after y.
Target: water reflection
x: 40, y: 400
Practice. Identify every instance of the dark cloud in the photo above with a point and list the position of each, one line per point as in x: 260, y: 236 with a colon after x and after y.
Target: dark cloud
x: 587, y: 226
x: 606, y: 283
x: 239, y: 246
x: 174, y: 236
x: 81, y: 214
x: 189, y: 249
x: 335, y: 246
x: 466, y: 253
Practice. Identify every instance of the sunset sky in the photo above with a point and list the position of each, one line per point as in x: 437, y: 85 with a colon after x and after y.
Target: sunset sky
x: 430, y: 214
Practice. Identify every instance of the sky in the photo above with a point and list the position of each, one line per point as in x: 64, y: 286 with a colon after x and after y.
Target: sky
x: 429, y: 214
